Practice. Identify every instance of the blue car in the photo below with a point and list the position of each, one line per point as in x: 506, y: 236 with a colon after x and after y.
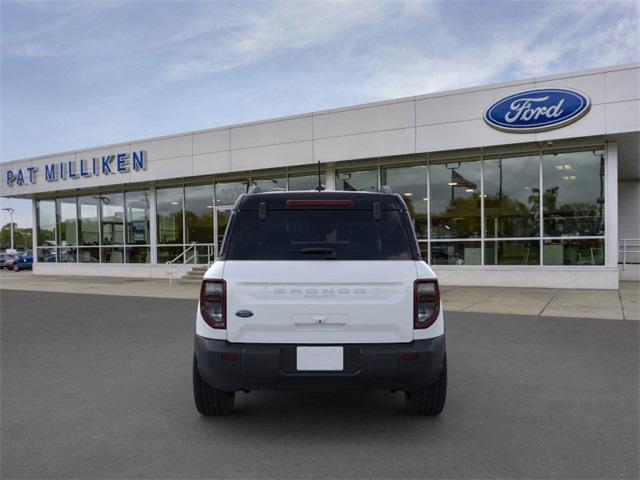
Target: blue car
x: 23, y: 262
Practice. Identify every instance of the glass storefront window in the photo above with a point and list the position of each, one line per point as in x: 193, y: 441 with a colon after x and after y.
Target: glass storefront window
x: 358, y: 180
x: 137, y: 218
x: 573, y: 252
x: 112, y: 218
x: 169, y: 208
x: 573, y: 198
x: 47, y: 254
x: 112, y: 255
x: 411, y: 184
x: 67, y: 221
x: 166, y: 254
x: 46, y: 218
x: 275, y: 184
x: 456, y: 253
x: 88, y: 227
x: 228, y: 192
x: 137, y: 254
x: 198, y: 213
x: 67, y: 255
x: 305, y: 182
x: 455, y: 200
x: 512, y: 197
x: 512, y: 252
x: 89, y: 255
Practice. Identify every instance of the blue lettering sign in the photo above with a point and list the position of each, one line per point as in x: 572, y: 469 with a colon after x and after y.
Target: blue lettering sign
x: 139, y: 160
x: 32, y: 174
x: 123, y: 166
x: 537, y: 110
x: 51, y: 173
x: 83, y: 170
x: 70, y: 168
x: 106, y: 164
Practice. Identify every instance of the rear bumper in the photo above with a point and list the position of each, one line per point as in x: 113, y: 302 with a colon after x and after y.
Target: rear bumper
x: 253, y: 366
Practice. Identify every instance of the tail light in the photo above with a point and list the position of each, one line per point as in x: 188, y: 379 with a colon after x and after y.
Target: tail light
x: 426, y: 303
x: 319, y: 203
x: 213, y: 303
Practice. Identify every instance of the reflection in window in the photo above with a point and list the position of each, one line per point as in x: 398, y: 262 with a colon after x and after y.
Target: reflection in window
x: 573, y: 198
x: 67, y: 212
x: 67, y: 255
x: 198, y: 213
x: 366, y: 180
x: 88, y: 221
x: 112, y: 205
x: 47, y: 255
x: 573, y: 252
x: 137, y: 218
x: 89, y: 255
x: 456, y: 253
x: 455, y: 200
x: 513, y: 252
x: 137, y: 254
x: 46, y: 217
x: 112, y: 255
x: 228, y: 192
x: 305, y: 182
x: 512, y: 197
x: 276, y: 184
x: 411, y: 184
x: 169, y: 207
x: 168, y: 253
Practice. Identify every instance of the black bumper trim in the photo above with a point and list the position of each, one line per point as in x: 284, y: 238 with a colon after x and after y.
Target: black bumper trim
x: 254, y: 366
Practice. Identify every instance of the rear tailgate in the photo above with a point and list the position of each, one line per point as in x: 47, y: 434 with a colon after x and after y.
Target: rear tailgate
x: 320, y: 302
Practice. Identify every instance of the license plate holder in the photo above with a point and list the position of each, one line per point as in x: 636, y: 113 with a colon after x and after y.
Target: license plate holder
x: 320, y: 359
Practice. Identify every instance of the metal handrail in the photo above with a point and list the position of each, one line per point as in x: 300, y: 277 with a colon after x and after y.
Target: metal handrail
x: 628, y: 245
x: 186, y: 261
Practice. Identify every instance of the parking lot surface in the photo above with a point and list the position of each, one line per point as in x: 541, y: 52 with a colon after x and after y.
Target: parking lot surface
x: 97, y: 386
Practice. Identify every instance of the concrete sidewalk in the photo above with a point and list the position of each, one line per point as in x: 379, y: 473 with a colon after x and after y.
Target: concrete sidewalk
x: 622, y: 304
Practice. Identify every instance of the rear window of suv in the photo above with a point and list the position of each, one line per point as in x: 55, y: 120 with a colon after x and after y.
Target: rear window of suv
x: 339, y: 234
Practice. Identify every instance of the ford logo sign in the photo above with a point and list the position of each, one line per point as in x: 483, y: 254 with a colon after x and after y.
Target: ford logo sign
x: 537, y: 110
x: 244, y: 313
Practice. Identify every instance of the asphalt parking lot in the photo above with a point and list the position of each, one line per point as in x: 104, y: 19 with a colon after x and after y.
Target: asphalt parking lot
x: 98, y: 386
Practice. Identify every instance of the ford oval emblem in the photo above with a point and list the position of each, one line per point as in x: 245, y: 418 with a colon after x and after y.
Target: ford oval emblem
x: 244, y: 313
x: 537, y: 110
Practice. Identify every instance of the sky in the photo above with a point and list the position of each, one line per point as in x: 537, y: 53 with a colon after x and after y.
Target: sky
x: 87, y: 73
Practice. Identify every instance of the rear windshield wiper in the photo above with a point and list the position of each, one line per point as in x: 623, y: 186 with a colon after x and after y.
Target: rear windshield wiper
x: 330, y: 253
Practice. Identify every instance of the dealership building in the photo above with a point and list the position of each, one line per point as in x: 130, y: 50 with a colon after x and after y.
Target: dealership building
x: 529, y: 183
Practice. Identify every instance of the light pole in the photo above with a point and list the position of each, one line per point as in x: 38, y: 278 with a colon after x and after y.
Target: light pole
x: 11, y: 212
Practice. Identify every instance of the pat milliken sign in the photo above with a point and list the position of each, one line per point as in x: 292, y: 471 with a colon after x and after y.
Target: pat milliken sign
x: 117, y: 163
x: 537, y: 110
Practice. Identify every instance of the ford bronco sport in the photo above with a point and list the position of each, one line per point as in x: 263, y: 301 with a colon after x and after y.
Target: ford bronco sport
x: 320, y: 290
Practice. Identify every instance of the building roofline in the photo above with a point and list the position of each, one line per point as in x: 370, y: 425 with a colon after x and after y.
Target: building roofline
x: 444, y: 93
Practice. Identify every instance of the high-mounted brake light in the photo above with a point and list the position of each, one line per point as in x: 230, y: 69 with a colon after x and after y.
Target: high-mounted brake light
x: 213, y: 303
x: 319, y: 203
x: 426, y: 303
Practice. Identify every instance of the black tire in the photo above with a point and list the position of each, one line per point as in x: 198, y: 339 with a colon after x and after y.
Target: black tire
x: 16, y: 268
x: 210, y: 400
x: 429, y: 400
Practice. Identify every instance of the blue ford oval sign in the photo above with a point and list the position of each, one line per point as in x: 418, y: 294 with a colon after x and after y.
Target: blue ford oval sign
x: 537, y: 110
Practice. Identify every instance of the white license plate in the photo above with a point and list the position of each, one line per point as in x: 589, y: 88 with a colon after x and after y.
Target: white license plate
x: 320, y: 358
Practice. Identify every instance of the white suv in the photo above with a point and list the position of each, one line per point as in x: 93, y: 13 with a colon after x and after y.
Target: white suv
x: 320, y: 290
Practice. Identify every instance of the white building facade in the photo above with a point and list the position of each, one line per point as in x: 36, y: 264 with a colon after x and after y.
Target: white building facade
x: 531, y: 183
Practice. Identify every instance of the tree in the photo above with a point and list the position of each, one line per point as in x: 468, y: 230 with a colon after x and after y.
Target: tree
x: 21, y: 237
